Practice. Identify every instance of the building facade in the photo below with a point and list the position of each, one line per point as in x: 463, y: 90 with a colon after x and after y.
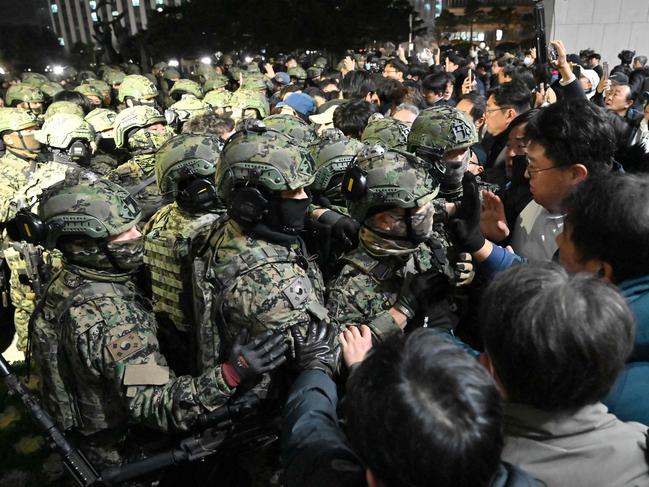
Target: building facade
x: 74, y: 20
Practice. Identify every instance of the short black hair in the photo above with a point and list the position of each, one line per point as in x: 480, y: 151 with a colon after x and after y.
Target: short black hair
x: 398, y: 65
x: 357, y: 84
x: 524, y: 117
x: 74, y: 97
x: 626, y: 56
x: 574, y: 132
x: 595, y: 55
x: 351, y: 117
x: 479, y: 103
x: 443, y: 426
x: 609, y: 220
x: 557, y: 342
x: 208, y: 123
x: 457, y: 59
x: 417, y: 70
x: 390, y: 91
x: 437, y: 82
x: 514, y: 94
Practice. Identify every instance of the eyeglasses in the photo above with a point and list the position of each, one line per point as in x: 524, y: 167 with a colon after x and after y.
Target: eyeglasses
x: 532, y: 172
x: 489, y: 110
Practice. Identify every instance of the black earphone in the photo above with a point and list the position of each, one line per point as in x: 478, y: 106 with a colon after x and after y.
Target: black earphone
x: 354, y: 183
x: 248, y: 205
x: 199, y: 195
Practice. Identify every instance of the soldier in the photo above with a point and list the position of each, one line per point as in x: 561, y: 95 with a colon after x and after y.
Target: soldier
x: 185, y: 167
x: 220, y: 101
x: 25, y: 97
x: 101, y: 368
x: 391, y: 194
x: 292, y: 126
x: 390, y: 133
x: 256, y: 273
x: 184, y: 110
x: 141, y: 130
x: 69, y: 139
x: 136, y: 90
x: 106, y: 155
x: 184, y: 87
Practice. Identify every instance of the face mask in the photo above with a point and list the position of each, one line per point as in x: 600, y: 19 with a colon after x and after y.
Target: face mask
x: 287, y: 215
x: 528, y: 61
x: 106, y: 145
x: 383, y: 246
x: 127, y: 255
x: 454, y: 172
x: 144, y: 141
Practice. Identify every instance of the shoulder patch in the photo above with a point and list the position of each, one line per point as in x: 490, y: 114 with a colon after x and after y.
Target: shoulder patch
x: 125, y: 346
x: 298, y: 291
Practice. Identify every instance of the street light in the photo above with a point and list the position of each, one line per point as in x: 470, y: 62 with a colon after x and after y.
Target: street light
x: 206, y: 60
x: 57, y: 70
x: 173, y: 63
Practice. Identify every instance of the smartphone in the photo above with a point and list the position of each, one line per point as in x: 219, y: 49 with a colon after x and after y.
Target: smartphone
x: 470, y: 76
x: 605, y: 69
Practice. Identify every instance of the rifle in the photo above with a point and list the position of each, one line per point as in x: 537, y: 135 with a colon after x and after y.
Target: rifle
x: 541, y: 42
x: 33, y: 256
x: 75, y: 463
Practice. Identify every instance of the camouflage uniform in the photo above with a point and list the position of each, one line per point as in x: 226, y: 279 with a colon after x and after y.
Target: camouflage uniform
x: 390, y: 133
x: 249, y: 281
x: 95, y: 340
x: 370, y: 280
x: 174, y: 236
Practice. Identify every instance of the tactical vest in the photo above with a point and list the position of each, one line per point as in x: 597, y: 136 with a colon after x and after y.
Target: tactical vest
x: 137, y: 176
x: 169, y: 248
x: 213, y: 280
x: 89, y: 408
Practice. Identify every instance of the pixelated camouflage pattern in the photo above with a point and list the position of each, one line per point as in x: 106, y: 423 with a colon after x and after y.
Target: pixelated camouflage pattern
x: 332, y: 153
x: 254, y: 84
x: 113, y: 76
x: 297, y: 72
x: 442, y: 128
x: 138, y: 87
x: 313, y: 72
x: 185, y: 156
x: 61, y: 129
x: 206, y: 72
x: 357, y: 296
x: 249, y: 99
x: 101, y: 119
x: 134, y: 172
x: 390, y: 133
x: 101, y: 163
x: 218, y: 98
x: 257, y: 297
x: 189, y: 107
x: 265, y: 158
x: 89, y: 90
x: 15, y: 119
x: 393, y: 179
x: 135, y: 117
x: 23, y: 92
x: 100, y: 85
x: 292, y: 126
x: 101, y: 367
x: 172, y: 240
x: 186, y: 86
x: 63, y: 107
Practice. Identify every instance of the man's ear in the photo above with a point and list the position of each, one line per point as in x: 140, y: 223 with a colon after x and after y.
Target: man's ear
x: 606, y: 271
x: 511, y: 114
x: 578, y: 173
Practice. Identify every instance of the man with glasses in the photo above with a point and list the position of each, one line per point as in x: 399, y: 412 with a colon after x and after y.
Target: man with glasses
x: 567, y: 142
x: 395, y: 69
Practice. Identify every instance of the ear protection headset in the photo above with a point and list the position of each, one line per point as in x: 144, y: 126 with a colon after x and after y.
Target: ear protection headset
x: 80, y: 152
x: 199, y: 195
x: 354, y: 184
x: 248, y: 205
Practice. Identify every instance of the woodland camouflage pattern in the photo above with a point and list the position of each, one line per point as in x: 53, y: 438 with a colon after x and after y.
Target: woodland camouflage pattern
x: 292, y: 126
x: 390, y: 133
x: 444, y: 128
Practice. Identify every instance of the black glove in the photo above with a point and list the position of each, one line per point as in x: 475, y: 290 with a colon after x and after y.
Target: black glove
x: 343, y: 228
x: 419, y: 290
x: 318, y: 349
x: 466, y: 224
x: 261, y: 354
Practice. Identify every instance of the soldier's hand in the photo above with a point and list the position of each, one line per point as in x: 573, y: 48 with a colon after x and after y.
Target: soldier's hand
x: 317, y: 350
x: 466, y: 224
x: 464, y: 270
x: 419, y: 290
x: 343, y: 228
x: 263, y: 353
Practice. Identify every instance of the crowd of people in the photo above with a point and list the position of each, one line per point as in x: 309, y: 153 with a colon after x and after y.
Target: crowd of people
x: 455, y: 245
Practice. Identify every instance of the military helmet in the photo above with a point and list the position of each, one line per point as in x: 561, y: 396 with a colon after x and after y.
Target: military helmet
x: 246, y: 100
x: 134, y: 118
x: 218, y: 99
x: 314, y: 72
x: 188, y: 107
x: 219, y: 81
x: 297, y: 72
x: 34, y: 79
x: 205, y: 72
x: 101, y: 119
x: 93, y: 208
x: 171, y: 74
x: 442, y: 129
x: 320, y: 62
x: 292, y: 126
x: 252, y: 68
x: 137, y: 87
x: 185, y: 156
x: 51, y: 89
x: 23, y: 93
x: 63, y: 107
x: 384, y: 178
x: 99, y: 85
x: 89, y: 90
x: 263, y: 158
x: 132, y: 68
x: 332, y: 154
x: 15, y: 119
x: 160, y: 66
x: 85, y: 75
x: 235, y: 72
x: 186, y: 86
x: 113, y: 76
x: 390, y: 133
x: 61, y: 129
x: 254, y: 84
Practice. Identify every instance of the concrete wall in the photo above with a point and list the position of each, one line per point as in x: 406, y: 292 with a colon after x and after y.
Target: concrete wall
x: 608, y: 26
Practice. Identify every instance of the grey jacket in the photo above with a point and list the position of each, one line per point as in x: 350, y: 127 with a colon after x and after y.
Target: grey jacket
x: 589, y: 448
